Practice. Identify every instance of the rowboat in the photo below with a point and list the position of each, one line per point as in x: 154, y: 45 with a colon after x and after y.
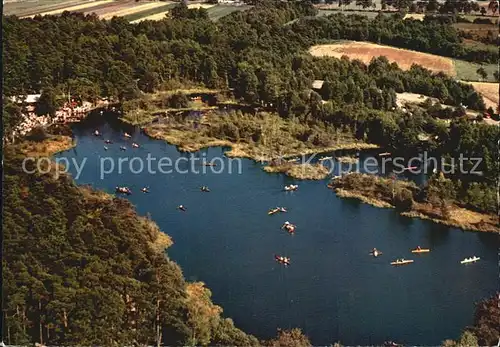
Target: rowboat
x: 276, y: 210
x: 291, y: 187
x: 288, y: 227
x: 127, y: 135
x: 402, y: 262
x: 470, y: 260
x: 324, y: 158
x: 123, y: 190
x: 375, y: 253
x: 421, y: 250
x: 282, y: 260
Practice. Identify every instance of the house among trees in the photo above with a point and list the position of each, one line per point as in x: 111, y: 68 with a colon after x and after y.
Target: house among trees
x: 317, y: 84
x: 29, y: 102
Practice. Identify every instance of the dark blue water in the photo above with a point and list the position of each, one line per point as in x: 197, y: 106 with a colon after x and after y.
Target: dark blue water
x: 333, y: 290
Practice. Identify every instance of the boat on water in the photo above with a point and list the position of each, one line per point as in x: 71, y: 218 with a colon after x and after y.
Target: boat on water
x: 282, y: 260
x: 127, y: 135
x: 107, y: 141
x: 182, y: 208
x: 105, y: 148
x: 97, y: 133
x: 135, y: 145
x: 209, y: 164
x: 375, y: 252
x: 123, y: 190
x: 420, y: 250
x: 276, y: 210
x: 402, y: 262
x: 145, y: 190
x: 205, y: 189
x: 325, y: 158
x: 470, y: 260
x: 289, y: 227
x: 291, y: 188
x: 123, y: 148
x: 385, y: 154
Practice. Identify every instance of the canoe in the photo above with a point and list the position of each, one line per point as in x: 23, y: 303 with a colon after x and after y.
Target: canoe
x: 469, y: 260
x: 376, y: 253
x: 273, y: 211
x: 422, y: 250
x: 404, y: 262
x: 281, y: 260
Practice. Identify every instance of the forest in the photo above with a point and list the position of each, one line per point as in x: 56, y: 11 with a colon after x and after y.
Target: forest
x: 75, y: 256
x: 80, y: 267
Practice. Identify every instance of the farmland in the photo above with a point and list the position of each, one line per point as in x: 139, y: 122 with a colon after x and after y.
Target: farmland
x: 467, y: 71
x: 489, y: 91
x: 365, y: 51
x: 156, y: 13
x: 219, y: 11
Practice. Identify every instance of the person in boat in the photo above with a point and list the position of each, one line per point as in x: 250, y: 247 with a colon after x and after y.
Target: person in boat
x: 181, y: 207
x: 123, y: 148
x: 145, y: 190
x: 96, y: 133
x: 105, y: 148
x: 107, y: 141
x: 418, y: 248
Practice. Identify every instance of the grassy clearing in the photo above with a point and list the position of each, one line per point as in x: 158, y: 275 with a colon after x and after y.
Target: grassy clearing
x: 219, y: 11
x: 467, y: 71
x: 150, y: 14
x: 299, y: 171
x: 46, y: 148
x: 365, y: 51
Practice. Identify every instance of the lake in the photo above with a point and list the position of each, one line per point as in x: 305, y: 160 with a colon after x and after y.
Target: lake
x: 333, y: 290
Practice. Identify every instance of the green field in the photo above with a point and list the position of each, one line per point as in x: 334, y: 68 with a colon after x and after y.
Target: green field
x: 467, y: 71
x: 150, y: 12
x: 27, y: 8
x: 218, y: 11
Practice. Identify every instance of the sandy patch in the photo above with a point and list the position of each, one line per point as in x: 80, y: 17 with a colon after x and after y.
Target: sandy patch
x: 190, y: 6
x: 133, y: 9
x: 415, y: 16
x: 489, y: 91
x: 365, y: 51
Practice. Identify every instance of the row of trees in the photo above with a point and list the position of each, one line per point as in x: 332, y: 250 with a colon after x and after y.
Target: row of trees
x: 432, y: 36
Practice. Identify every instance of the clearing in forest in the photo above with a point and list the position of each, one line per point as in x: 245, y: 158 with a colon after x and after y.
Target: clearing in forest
x: 489, y: 91
x: 366, y: 51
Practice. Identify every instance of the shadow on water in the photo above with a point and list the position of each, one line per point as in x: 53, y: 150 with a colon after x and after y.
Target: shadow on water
x: 436, y: 234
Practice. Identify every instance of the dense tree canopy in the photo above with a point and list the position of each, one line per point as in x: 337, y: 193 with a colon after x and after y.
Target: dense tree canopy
x: 81, y: 268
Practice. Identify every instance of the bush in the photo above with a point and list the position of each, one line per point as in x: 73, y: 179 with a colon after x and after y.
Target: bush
x: 38, y: 134
x: 403, y: 199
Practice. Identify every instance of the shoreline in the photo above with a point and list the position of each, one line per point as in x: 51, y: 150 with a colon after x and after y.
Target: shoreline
x: 247, y: 151
x: 419, y: 212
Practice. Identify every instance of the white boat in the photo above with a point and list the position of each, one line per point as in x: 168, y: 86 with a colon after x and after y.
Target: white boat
x: 470, y: 260
x: 291, y: 187
x: 325, y: 158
